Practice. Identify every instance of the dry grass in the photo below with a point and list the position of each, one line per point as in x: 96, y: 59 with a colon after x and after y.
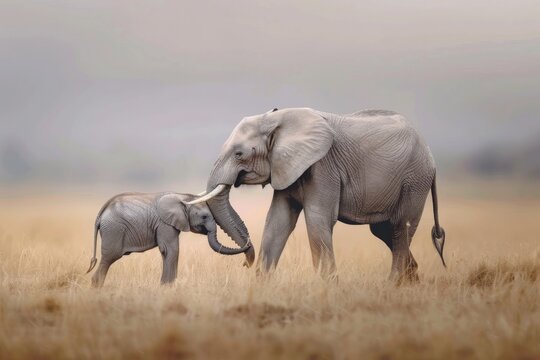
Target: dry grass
x: 485, y: 306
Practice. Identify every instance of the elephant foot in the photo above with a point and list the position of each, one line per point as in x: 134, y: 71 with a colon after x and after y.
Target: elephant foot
x: 331, y: 278
x: 406, y: 277
x: 329, y: 274
x: 406, y: 274
x: 96, y: 282
x: 263, y: 275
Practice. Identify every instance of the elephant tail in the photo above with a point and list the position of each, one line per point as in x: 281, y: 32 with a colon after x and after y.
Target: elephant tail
x: 437, y: 232
x: 97, y: 225
x: 93, y: 261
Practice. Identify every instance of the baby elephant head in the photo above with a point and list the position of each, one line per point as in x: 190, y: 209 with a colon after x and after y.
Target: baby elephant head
x: 177, y: 211
x: 201, y: 220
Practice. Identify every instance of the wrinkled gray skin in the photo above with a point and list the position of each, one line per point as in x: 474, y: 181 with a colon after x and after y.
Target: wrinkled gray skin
x: 136, y: 222
x: 369, y: 167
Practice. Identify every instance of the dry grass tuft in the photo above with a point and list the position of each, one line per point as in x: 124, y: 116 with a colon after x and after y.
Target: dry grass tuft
x: 262, y: 314
x: 176, y: 308
x: 51, y: 306
x: 171, y: 344
x: 65, y: 280
x: 504, y: 272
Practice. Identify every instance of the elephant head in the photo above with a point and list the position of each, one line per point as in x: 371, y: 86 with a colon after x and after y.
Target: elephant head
x: 273, y: 148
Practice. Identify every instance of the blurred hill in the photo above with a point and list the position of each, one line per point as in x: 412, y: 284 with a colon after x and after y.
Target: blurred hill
x: 125, y: 164
x: 118, y: 164
x: 503, y: 159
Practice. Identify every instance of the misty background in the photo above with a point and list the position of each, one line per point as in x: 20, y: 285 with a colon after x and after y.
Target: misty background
x: 146, y: 92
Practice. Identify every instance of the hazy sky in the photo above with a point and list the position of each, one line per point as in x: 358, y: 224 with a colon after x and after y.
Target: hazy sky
x: 104, y: 86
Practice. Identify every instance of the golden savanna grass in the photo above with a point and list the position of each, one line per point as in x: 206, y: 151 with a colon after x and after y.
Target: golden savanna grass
x: 486, y: 305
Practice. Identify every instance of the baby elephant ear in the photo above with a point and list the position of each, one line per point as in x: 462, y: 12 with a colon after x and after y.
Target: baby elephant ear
x: 172, y: 211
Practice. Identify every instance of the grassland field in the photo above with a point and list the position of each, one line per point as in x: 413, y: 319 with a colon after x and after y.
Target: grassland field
x: 485, y: 305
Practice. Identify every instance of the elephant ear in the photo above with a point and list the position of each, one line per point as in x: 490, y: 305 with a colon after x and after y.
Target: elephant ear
x: 172, y: 211
x: 300, y: 139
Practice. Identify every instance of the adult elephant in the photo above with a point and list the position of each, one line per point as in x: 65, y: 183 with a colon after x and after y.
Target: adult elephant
x: 369, y: 167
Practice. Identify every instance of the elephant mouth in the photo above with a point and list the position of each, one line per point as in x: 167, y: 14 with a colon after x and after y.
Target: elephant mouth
x: 240, y: 178
x: 249, y: 178
x: 245, y: 177
x: 200, y: 229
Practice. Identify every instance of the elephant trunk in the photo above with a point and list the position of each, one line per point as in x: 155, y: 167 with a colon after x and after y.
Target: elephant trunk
x: 222, y: 249
x: 231, y: 223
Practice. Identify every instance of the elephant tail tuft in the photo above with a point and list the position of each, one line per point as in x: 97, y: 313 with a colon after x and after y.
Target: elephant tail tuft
x: 437, y: 232
x: 438, y: 241
x: 93, y: 261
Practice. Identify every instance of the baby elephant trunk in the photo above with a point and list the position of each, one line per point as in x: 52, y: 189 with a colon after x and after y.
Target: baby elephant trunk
x: 222, y: 249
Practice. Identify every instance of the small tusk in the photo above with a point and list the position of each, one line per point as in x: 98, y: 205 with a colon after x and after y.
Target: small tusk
x: 202, y: 193
x: 208, y: 196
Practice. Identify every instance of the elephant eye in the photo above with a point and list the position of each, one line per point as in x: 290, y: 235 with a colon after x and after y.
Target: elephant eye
x: 238, y: 154
x: 204, y: 217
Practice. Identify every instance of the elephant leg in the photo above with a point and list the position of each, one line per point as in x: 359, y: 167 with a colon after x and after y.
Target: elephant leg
x: 404, y: 266
x: 387, y: 233
x: 99, y: 277
x: 280, y: 222
x: 320, y: 229
x: 398, y: 240
x: 112, y: 239
x: 168, y: 243
x: 321, y: 193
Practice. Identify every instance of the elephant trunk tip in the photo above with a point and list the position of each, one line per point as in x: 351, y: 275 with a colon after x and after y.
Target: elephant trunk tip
x: 250, y: 255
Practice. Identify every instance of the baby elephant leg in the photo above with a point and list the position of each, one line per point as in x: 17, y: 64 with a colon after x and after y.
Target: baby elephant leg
x: 99, y: 277
x: 168, y: 243
x: 112, y: 238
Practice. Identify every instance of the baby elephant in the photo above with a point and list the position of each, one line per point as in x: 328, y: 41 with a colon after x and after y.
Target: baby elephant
x: 136, y: 222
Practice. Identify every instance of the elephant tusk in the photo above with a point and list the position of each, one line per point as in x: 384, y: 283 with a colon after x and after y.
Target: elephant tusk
x: 208, y: 196
x: 202, y: 193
